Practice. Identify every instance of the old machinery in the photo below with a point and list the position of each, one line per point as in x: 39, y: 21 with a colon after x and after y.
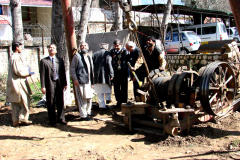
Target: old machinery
x: 186, y: 98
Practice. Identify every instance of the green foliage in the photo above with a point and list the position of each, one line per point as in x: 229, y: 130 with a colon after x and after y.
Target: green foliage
x: 36, y: 95
x: 3, y: 87
x: 71, y: 83
x: 3, y: 83
x: 235, y: 143
x: 2, y: 98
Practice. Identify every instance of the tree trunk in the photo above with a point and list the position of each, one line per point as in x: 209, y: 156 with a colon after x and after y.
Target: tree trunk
x: 82, y: 28
x: 58, y: 38
x: 17, y: 26
x: 118, y: 17
x: 166, y: 16
x: 58, y: 34
x: 95, y: 4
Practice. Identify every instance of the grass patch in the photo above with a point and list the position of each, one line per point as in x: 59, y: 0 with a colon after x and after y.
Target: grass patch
x: 2, y: 97
x: 36, y: 95
x: 235, y: 143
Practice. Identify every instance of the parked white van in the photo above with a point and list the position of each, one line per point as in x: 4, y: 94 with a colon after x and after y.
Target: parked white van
x: 210, y: 31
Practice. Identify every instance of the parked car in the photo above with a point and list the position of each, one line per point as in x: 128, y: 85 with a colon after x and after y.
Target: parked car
x: 208, y: 31
x: 233, y: 34
x: 188, y: 42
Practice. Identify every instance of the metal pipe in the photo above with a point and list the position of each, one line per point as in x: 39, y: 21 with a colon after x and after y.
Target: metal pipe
x: 69, y: 28
x: 70, y: 33
x: 172, y: 130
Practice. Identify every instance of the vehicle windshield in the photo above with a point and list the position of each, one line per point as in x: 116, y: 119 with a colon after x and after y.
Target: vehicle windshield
x: 192, y: 35
x: 236, y: 33
x: 223, y: 28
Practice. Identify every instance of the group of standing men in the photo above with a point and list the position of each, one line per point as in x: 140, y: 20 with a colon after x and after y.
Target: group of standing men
x: 106, y: 68
x: 96, y: 73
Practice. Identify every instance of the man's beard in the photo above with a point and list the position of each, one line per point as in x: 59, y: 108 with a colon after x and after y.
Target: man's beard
x: 84, y: 51
x: 149, y: 44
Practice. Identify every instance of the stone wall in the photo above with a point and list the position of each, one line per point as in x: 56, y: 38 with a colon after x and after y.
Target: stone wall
x: 194, y: 61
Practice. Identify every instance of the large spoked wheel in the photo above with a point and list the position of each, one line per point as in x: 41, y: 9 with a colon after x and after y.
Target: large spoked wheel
x: 217, y: 88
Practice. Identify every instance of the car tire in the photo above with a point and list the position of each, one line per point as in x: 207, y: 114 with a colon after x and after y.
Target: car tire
x: 183, y: 51
x: 235, y: 39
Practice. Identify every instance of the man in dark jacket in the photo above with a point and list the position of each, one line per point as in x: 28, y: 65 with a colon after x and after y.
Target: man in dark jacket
x: 82, y: 74
x: 154, y: 57
x: 103, y: 75
x: 53, y: 82
x: 120, y: 57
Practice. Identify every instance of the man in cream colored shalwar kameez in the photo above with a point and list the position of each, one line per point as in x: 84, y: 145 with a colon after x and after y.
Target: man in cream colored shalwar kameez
x: 18, y: 90
x: 82, y: 74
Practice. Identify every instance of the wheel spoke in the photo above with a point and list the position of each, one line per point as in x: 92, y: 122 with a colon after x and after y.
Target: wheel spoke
x: 220, y: 73
x: 228, y: 101
x: 230, y: 89
x: 214, y: 78
x: 214, y: 96
x: 229, y: 79
x: 213, y: 88
x: 224, y: 77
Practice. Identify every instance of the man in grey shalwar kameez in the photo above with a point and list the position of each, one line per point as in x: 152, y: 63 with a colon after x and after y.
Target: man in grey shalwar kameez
x: 82, y: 74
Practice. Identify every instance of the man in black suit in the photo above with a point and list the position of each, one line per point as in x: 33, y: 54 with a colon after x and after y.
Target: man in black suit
x: 53, y: 82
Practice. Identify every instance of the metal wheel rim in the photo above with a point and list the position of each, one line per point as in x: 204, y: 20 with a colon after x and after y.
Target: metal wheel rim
x: 218, y: 87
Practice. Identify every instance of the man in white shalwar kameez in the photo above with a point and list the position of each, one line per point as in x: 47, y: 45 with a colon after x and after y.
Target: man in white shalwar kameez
x: 82, y: 74
x: 103, y: 75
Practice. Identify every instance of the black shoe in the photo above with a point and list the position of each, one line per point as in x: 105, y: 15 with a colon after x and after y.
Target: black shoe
x: 53, y: 124
x: 86, y: 119
x: 91, y: 115
x: 108, y: 101
x: 62, y: 122
x: 104, y: 109
x: 118, y: 105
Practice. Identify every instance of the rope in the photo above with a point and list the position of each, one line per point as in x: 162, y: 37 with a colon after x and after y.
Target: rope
x: 142, y: 33
x: 145, y: 63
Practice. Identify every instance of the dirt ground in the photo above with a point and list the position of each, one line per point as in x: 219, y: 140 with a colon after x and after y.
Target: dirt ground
x: 100, y: 140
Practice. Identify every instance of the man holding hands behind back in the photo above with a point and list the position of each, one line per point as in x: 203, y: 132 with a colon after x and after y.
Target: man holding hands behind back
x: 53, y: 82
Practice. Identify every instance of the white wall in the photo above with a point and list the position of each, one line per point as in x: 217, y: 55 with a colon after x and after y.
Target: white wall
x: 5, y: 32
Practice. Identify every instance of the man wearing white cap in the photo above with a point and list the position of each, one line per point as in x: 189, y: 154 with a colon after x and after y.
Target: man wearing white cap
x: 103, y: 75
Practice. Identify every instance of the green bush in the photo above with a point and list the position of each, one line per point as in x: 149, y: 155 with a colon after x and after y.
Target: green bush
x: 3, y: 87
x: 3, y: 83
x: 36, y: 94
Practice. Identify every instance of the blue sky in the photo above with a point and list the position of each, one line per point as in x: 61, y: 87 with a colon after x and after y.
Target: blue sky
x: 145, y: 2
